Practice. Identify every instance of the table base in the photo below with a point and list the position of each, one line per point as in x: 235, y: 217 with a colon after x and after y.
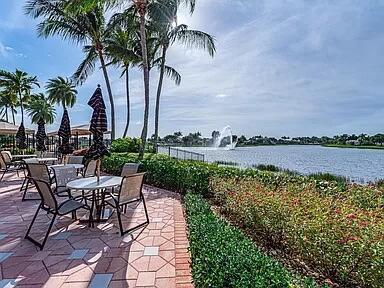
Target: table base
x: 104, y: 216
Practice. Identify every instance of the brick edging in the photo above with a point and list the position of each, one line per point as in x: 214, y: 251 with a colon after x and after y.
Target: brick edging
x: 182, y: 256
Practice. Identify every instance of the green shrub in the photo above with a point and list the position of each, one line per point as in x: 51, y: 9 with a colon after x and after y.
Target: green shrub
x: 223, y: 257
x: 267, y: 167
x: 126, y: 145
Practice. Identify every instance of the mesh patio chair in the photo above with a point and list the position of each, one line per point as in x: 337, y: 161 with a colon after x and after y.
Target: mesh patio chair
x: 36, y: 171
x: 90, y: 169
x: 72, y: 159
x: 62, y: 175
x: 129, y: 169
x: 49, y: 204
x: 24, y: 166
x: 131, y: 191
x: 7, y: 165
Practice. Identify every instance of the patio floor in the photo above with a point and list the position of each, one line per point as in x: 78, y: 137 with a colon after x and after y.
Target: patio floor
x: 78, y: 256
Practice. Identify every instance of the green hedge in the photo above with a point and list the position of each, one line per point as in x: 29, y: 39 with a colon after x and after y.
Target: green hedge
x: 223, y: 257
x: 126, y: 145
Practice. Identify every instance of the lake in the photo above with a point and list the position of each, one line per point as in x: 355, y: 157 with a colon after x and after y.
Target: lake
x: 359, y: 165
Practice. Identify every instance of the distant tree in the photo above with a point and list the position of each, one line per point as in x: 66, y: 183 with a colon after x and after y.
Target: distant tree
x: 61, y: 91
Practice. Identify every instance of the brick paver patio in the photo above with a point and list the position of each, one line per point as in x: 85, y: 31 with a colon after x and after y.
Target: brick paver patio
x: 78, y: 256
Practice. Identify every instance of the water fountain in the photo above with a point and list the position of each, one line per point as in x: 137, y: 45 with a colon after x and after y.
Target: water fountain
x: 226, y: 132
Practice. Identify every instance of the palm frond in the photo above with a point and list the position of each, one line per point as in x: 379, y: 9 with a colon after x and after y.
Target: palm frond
x: 196, y: 39
x: 172, y: 74
x: 87, y: 66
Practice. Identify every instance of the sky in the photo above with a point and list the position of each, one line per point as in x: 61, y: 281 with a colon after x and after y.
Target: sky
x: 282, y: 67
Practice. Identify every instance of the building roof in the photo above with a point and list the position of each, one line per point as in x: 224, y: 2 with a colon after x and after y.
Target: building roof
x: 11, y: 129
x: 80, y: 130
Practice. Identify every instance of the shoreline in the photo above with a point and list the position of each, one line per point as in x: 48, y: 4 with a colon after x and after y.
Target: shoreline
x: 353, y: 146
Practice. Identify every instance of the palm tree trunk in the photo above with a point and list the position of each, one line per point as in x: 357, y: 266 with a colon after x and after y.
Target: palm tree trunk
x: 21, y: 107
x: 13, y: 114
x: 111, y: 101
x: 142, y: 5
x: 159, y: 87
x: 128, y: 102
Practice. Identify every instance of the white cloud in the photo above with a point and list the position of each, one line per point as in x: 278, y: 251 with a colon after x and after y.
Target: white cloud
x: 222, y: 95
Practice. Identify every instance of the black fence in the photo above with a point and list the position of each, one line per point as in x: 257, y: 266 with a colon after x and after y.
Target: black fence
x: 180, y: 153
x: 52, y: 143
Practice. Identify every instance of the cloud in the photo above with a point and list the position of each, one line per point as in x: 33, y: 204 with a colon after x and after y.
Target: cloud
x: 222, y: 95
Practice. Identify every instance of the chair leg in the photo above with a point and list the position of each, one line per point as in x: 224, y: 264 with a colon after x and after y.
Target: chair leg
x: 2, y: 176
x: 145, y: 208
x: 119, y: 219
x: 25, y: 190
x: 33, y: 221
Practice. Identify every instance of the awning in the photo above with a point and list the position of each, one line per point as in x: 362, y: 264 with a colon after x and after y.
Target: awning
x: 10, y: 129
x: 80, y: 130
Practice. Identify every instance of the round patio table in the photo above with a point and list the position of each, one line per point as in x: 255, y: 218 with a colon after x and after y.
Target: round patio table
x: 24, y: 156
x: 47, y: 159
x: 97, y: 186
x: 76, y: 166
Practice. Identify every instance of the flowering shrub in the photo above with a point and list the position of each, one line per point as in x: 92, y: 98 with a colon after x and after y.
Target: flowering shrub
x: 222, y: 256
x: 340, y: 236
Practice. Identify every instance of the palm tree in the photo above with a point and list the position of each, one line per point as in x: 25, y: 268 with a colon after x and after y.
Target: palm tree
x: 119, y: 50
x: 41, y: 111
x: 19, y: 83
x: 40, y: 108
x: 8, y: 101
x: 61, y: 91
x: 169, y: 33
x: 87, y: 28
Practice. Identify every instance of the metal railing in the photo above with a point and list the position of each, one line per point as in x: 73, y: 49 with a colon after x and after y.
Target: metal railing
x: 180, y: 154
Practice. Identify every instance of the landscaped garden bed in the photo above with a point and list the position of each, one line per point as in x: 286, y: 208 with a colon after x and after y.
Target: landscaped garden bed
x: 334, y: 228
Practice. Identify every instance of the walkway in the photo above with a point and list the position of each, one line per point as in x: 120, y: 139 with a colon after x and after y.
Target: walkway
x: 78, y: 256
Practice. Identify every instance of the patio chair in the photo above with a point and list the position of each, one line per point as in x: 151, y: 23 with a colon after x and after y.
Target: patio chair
x: 129, y: 169
x: 131, y: 191
x: 24, y: 167
x: 36, y: 171
x: 7, y: 165
x: 90, y: 169
x: 72, y: 159
x: 62, y: 175
x: 49, y: 204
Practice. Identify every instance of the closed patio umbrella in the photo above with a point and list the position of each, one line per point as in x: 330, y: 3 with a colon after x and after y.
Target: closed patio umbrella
x: 97, y: 127
x: 65, y: 134
x: 41, y: 136
x: 21, y: 138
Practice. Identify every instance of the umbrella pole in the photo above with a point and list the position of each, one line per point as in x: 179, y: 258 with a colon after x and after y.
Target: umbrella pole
x: 98, y: 164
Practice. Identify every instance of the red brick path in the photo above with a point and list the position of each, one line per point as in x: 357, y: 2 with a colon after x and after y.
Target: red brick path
x: 78, y: 256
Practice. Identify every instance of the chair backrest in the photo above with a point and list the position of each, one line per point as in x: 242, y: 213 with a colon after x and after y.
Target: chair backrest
x: 49, y: 154
x: 90, y: 170
x: 38, y: 171
x: 75, y: 159
x: 131, y: 187
x: 129, y: 169
x: 7, y: 156
x: 46, y: 194
x: 3, y: 166
x: 64, y: 174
